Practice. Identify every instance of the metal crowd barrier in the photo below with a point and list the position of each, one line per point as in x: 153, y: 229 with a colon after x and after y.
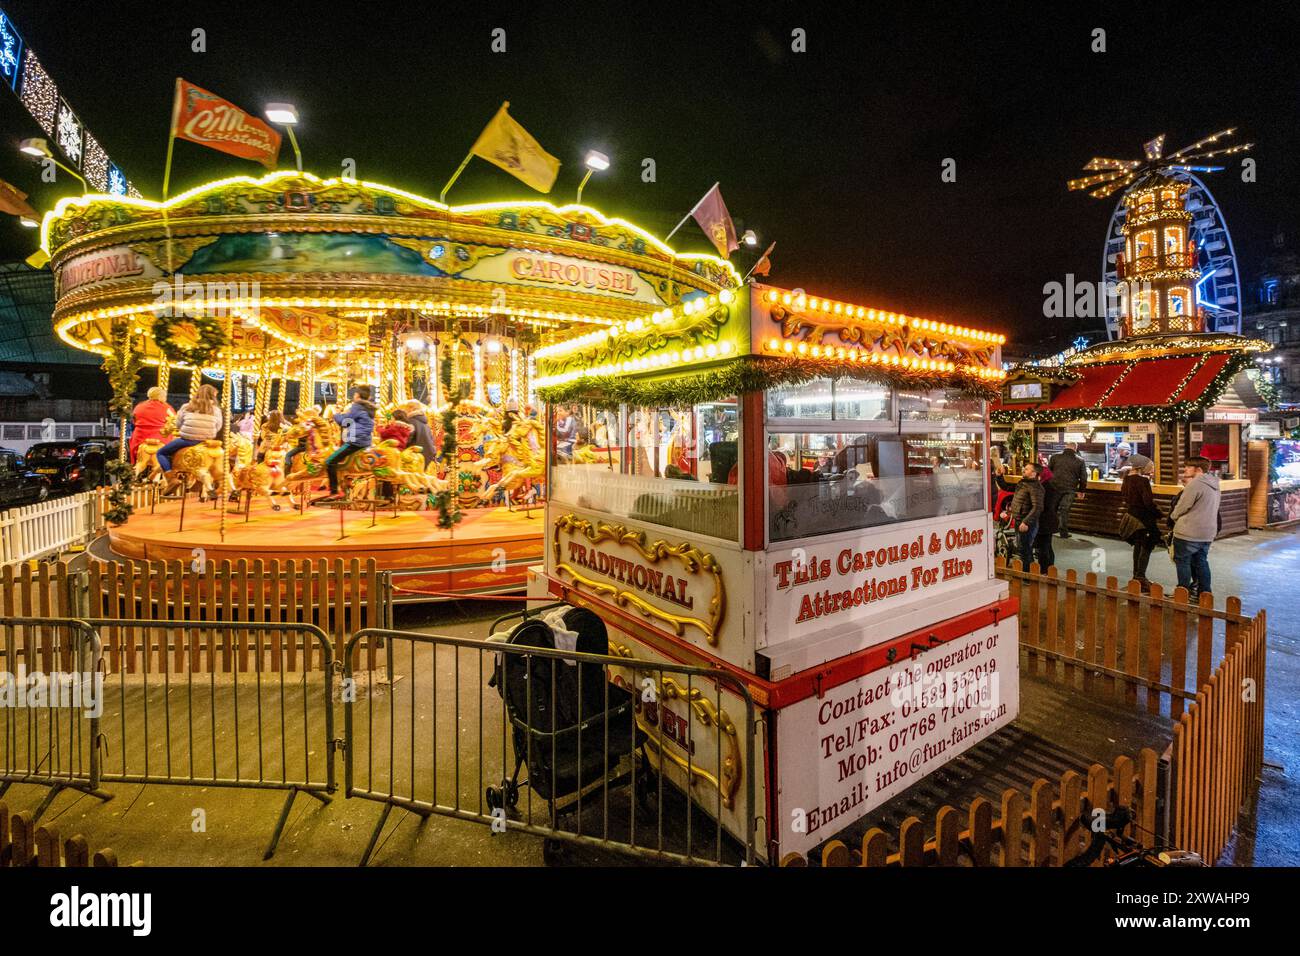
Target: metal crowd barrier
x: 442, y: 740
x: 50, y: 706
x: 251, y: 726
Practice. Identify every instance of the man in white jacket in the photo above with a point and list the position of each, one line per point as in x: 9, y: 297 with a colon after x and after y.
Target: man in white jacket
x: 1196, y: 524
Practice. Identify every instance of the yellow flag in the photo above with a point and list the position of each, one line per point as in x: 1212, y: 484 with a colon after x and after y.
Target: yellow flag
x: 505, y: 143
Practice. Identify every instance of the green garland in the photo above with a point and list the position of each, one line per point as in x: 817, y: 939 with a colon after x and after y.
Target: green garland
x: 121, y: 483
x: 122, y: 366
x: 748, y: 374
x: 448, y: 512
x: 212, y: 338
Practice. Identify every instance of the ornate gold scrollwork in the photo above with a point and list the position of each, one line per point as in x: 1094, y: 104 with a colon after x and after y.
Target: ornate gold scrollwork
x: 852, y: 331
x: 709, y: 716
x: 693, y: 559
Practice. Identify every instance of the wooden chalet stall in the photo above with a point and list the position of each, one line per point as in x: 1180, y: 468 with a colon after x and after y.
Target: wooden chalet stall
x: 790, y: 489
x: 1169, y: 398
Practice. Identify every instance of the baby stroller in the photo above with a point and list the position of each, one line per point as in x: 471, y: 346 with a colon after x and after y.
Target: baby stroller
x: 562, y: 715
x: 1004, y: 536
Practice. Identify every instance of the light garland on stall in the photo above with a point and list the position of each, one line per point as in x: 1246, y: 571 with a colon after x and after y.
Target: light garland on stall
x: 832, y: 307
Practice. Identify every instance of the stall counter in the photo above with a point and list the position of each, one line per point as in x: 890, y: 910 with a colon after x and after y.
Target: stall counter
x: 1101, y: 509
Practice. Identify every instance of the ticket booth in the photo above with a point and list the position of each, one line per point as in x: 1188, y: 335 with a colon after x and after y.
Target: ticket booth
x: 792, y: 491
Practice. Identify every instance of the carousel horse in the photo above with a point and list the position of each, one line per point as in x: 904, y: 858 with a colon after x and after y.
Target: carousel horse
x: 529, y: 466
x: 257, y: 478
x: 308, y: 465
x: 202, y: 463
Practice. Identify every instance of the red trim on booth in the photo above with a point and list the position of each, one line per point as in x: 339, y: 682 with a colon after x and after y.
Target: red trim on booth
x: 754, y: 473
x: 814, y: 681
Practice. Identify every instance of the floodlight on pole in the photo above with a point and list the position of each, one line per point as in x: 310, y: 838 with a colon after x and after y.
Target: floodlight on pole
x: 286, y: 115
x: 27, y: 222
x: 595, y: 161
x: 749, y: 238
x: 38, y: 148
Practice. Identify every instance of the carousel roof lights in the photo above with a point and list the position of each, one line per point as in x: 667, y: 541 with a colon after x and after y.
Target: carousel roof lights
x: 61, y: 207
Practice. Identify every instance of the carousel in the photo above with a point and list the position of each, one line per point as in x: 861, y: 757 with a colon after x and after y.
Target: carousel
x: 288, y: 292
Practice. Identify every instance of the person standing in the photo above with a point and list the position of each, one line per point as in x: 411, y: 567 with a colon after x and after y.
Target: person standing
x: 1070, y: 479
x: 358, y: 424
x: 1196, y: 524
x: 149, y: 417
x: 1026, y: 509
x: 1047, y: 525
x: 1140, y: 526
x: 198, y: 420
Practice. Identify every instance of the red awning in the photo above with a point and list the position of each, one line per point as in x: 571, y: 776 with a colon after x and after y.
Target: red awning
x: 1152, y: 382
x: 1201, y: 380
x: 1155, y: 383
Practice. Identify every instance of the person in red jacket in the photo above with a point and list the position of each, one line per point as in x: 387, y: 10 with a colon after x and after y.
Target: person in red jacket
x: 150, y: 416
x: 398, y: 429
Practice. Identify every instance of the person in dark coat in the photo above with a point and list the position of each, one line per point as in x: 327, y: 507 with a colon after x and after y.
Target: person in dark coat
x: 1026, y: 510
x: 1047, y: 526
x: 1141, y: 526
x: 1070, y: 479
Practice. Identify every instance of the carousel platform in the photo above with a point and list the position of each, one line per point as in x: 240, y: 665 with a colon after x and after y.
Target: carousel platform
x: 487, y: 552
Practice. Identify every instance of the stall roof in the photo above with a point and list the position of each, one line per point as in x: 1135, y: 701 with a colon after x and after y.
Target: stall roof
x: 1149, y: 387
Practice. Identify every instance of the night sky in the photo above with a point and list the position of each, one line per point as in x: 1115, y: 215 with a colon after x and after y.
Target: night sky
x: 835, y: 153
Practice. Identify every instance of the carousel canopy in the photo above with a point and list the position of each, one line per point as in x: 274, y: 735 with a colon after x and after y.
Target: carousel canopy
x: 290, y: 263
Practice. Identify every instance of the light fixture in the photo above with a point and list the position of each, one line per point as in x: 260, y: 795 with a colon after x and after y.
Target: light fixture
x: 595, y: 160
x: 749, y: 238
x: 286, y: 115
x: 27, y: 222
x: 415, y: 343
x: 493, y: 346
x: 38, y: 148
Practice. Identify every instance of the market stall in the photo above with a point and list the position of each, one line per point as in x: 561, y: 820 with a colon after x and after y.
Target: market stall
x: 795, y: 494
x: 1168, y: 398
x: 1167, y: 389
x: 287, y: 291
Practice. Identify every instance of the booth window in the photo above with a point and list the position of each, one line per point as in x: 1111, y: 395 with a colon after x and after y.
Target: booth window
x: 665, y: 466
x: 926, y: 462
x: 824, y: 399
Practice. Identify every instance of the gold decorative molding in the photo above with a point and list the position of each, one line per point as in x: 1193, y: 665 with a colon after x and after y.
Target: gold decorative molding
x: 709, y: 716
x: 694, y: 561
x: 883, y: 336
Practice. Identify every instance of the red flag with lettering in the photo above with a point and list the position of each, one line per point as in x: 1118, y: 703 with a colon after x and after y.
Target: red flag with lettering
x: 205, y: 118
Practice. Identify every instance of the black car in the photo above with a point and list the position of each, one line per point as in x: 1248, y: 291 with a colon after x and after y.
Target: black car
x: 18, y: 484
x: 79, y: 464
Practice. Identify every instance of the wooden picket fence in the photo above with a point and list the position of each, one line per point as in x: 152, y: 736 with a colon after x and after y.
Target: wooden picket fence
x: 1040, y: 828
x: 1113, y: 641
x: 1218, y: 747
x: 340, y: 597
x: 23, y: 844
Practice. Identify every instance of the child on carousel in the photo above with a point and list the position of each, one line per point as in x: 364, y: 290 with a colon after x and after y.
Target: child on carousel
x: 358, y: 424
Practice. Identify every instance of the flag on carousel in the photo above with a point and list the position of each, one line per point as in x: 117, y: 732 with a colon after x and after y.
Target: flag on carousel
x: 764, y: 264
x: 14, y: 201
x: 205, y: 118
x: 711, y: 213
x: 506, y: 144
